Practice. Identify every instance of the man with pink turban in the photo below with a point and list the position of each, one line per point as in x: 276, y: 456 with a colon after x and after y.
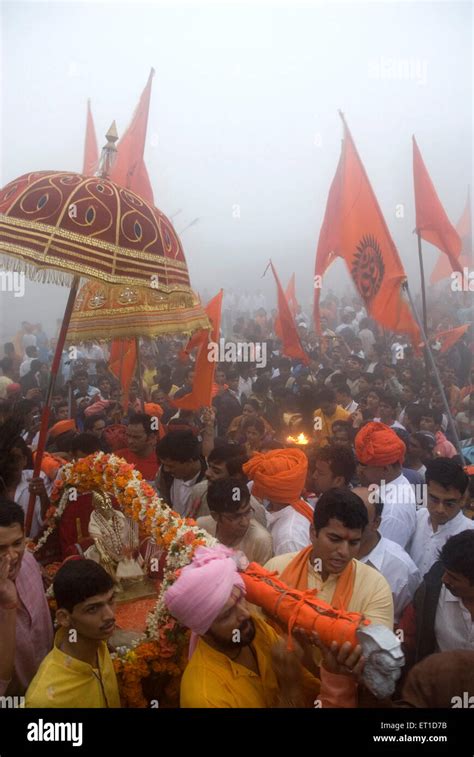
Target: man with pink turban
x: 380, y: 453
x: 237, y: 659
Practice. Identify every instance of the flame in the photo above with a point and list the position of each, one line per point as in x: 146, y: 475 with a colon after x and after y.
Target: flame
x: 300, y: 439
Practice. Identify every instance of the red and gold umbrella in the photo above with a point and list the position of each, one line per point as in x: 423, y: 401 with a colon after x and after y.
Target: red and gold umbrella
x: 58, y: 226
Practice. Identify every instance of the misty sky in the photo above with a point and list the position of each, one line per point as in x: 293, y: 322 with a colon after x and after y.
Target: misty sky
x: 243, y: 119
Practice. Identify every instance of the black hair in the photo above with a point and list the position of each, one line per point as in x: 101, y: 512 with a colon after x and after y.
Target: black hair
x: 326, y: 395
x: 448, y: 473
x: 141, y: 419
x: 77, y: 580
x: 81, y: 373
x: 227, y: 494
x: 341, y: 461
x: 343, y: 426
x: 19, y: 443
x: 425, y: 439
x: 389, y: 399
x: 85, y: 442
x: 165, y: 385
x: 32, y: 348
x: 90, y: 420
x: 253, y: 403
x: 256, y: 423
x: 343, y: 389
x: 233, y: 455
x: 179, y: 445
x: 457, y: 554
x: 343, y: 505
x: 10, y: 513
x: 432, y: 412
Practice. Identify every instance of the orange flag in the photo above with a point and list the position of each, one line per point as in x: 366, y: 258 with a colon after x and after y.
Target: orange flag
x: 122, y: 361
x: 450, y: 337
x: 288, y: 333
x: 355, y: 230
x: 129, y: 169
x: 432, y: 223
x: 443, y: 267
x: 290, y: 295
x: 91, y: 152
x: 201, y: 394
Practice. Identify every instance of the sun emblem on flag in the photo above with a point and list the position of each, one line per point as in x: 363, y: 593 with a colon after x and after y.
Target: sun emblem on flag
x: 368, y: 268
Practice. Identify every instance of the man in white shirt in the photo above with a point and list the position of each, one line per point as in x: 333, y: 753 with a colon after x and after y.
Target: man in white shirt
x: 443, y: 606
x: 92, y: 353
x: 380, y: 453
x: 278, y: 479
x: 31, y: 354
x: 387, y: 556
x: 344, y: 398
x: 442, y: 517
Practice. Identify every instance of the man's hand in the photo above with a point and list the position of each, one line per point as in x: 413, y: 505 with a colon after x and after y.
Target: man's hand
x: 208, y: 417
x: 37, y: 487
x: 8, y: 592
x: 341, y: 659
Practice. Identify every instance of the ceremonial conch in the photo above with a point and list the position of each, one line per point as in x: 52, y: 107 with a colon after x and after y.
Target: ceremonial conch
x: 294, y: 608
x: 116, y: 541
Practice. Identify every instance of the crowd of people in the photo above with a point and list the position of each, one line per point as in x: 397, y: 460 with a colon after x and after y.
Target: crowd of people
x: 341, y: 474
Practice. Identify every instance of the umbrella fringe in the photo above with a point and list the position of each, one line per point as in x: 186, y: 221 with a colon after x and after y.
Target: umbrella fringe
x: 32, y: 272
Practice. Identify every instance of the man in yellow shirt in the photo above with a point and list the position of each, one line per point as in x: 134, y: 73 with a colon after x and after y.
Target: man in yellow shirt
x: 236, y: 659
x: 78, y: 672
x: 328, y: 412
x: 330, y: 565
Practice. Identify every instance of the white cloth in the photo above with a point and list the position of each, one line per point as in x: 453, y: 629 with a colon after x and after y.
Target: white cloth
x: 94, y: 353
x: 426, y: 543
x: 25, y: 366
x: 352, y: 406
x: 454, y: 627
x: 22, y: 498
x: 399, y: 510
x: 181, y: 494
x: 399, y: 569
x: 368, y: 340
x: 245, y: 387
x: 289, y: 530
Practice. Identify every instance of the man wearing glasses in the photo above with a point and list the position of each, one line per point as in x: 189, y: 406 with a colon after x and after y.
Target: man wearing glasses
x: 442, y: 517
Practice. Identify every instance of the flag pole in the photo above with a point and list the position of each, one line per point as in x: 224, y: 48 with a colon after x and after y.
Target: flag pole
x: 423, y: 288
x: 434, y: 369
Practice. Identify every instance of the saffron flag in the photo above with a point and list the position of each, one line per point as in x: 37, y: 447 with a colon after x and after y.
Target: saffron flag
x: 201, y: 393
x: 290, y: 295
x: 91, y: 152
x: 432, y: 223
x: 122, y: 361
x: 129, y: 169
x: 288, y: 333
x: 355, y: 230
x: 443, y: 267
x: 450, y: 337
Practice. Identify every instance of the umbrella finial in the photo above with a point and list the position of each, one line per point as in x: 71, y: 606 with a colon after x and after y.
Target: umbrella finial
x: 109, y: 152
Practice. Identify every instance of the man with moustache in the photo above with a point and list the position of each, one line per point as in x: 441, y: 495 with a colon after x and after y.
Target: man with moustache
x: 78, y: 672
x: 330, y: 564
x: 236, y: 659
x: 26, y: 632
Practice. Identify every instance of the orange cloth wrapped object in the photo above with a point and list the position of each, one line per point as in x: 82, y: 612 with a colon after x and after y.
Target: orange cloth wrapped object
x: 300, y: 609
x: 378, y: 444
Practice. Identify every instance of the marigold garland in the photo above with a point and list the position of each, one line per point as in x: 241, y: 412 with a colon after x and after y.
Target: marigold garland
x: 162, y: 652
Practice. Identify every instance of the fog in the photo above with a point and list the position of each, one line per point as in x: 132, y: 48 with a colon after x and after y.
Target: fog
x: 244, y: 132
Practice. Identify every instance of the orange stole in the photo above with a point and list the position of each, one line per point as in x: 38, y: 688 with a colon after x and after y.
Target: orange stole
x: 296, y: 575
x: 302, y: 507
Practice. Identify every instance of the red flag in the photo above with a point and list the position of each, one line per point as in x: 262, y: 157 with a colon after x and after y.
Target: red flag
x: 201, y: 394
x: 122, y: 361
x: 355, y: 230
x: 450, y: 337
x: 290, y: 295
x: 129, y: 169
x: 91, y: 152
x: 291, y: 342
x: 443, y: 267
x: 432, y: 223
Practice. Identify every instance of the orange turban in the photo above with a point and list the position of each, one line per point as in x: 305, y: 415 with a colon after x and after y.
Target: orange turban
x: 278, y: 475
x: 61, y: 427
x: 378, y: 444
x: 153, y: 409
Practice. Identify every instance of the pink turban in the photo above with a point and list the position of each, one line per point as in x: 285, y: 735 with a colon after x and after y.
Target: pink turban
x: 203, y: 587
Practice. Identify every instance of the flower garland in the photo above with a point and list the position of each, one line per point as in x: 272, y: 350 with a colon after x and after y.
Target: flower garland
x: 177, y: 536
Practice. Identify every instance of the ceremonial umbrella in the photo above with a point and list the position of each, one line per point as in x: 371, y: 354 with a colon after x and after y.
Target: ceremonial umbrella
x: 57, y: 226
